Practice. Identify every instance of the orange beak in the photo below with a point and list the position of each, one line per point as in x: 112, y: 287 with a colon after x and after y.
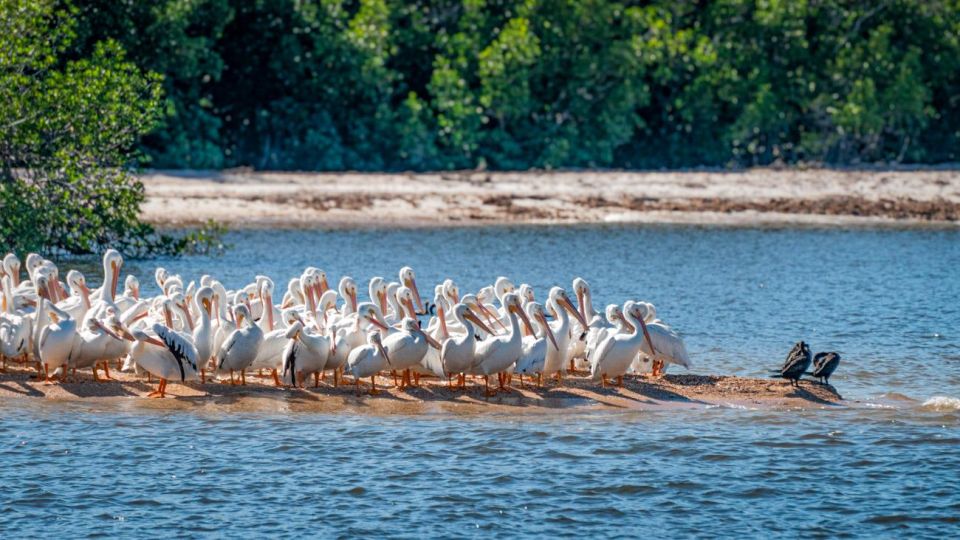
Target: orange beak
x: 565, y: 302
x: 433, y: 343
x: 416, y: 294
x: 383, y: 352
x: 490, y: 316
x: 470, y: 316
x: 523, y: 317
x: 547, y: 330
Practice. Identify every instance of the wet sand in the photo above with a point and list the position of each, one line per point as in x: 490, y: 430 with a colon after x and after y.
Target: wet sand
x: 245, y: 198
x: 433, y: 395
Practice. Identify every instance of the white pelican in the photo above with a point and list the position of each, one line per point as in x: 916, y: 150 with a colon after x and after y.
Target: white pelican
x: 497, y: 354
x: 91, y: 347
x: 203, y: 334
x: 559, y: 304
x: 241, y: 347
x: 409, y: 279
x: 458, y: 352
x: 614, y: 356
x: 407, y: 347
x: 305, y: 354
x: 535, y: 347
x: 16, y: 331
x: 668, y: 346
x: 56, y: 340
x: 367, y: 361
x: 167, y: 356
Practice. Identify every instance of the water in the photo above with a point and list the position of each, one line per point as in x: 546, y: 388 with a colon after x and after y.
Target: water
x: 886, y: 299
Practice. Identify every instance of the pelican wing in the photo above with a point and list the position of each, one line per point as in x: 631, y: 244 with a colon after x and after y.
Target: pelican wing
x: 181, y: 348
x: 227, y: 346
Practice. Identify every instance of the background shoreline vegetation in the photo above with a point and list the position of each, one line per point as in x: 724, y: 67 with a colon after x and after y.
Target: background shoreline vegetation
x: 92, y: 89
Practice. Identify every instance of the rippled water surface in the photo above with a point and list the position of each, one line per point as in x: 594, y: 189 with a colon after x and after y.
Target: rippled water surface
x: 888, y: 300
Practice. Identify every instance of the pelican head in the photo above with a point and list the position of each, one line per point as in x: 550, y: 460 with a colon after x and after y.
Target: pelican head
x: 559, y: 296
x: 348, y: 290
x: 526, y: 293
x: 409, y: 279
x: 204, y: 299
x: 241, y: 314
x: 131, y: 287
x: 371, y: 313
x: 502, y: 286
x: 160, y: 275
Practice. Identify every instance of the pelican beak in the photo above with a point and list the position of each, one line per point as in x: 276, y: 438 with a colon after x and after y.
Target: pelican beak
x: 383, y: 352
x: 116, y: 278
x: 126, y: 334
x: 470, y: 316
x: 382, y: 299
x: 323, y: 285
x: 433, y: 343
x: 268, y: 307
x: 565, y: 302
x: 409, y: 305
x: 646, y: 335
x: 206, y: 306
x: 136, y: 292
x: 490, y: 316
x: 377, y: 323
x: 353, y: 299
x: 239, y: 319
x: 583, y: 308
x: 523, y: 317
x: 416, y: 294
x: 167, y: 316
x: 547, y: 330
x: 106, y: 330
x: 155, y: 341
x: 456, y: 297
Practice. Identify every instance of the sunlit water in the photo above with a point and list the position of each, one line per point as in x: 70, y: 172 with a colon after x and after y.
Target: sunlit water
x: 887, y: 300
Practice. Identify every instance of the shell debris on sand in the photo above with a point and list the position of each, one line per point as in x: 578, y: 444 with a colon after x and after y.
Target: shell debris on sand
x: 670, y: 391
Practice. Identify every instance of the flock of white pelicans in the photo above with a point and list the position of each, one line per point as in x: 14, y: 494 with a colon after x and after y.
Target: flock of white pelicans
x: 199, y: 330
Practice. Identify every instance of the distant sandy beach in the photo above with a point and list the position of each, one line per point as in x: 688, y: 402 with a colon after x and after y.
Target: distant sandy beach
x: 638, y: 393
x: 244, y: 198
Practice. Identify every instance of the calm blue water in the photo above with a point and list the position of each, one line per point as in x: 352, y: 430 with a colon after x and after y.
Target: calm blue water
x: 886, y: 299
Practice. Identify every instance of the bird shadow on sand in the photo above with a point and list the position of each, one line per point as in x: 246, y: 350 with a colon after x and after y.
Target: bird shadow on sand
x: 800, y: 392
x: 21, y: 388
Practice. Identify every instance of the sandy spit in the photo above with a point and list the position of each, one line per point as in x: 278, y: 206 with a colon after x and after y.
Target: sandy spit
x: 245, y: 198
x: 433, y: 395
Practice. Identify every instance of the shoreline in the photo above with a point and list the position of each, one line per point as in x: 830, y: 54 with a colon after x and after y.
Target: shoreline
x: 754, y: 197
x: 578, y: 392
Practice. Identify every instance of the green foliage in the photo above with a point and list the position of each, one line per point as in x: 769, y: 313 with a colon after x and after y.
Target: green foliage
x: 66, y: 128
x: 426, y: 84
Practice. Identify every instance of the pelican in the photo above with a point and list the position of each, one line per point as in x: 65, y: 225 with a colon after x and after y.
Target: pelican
x: 16, y: 330
x: 408, y: 347
x: 91, y: 347
x: 409, y: 280
x: 559, y: 304
x: 535, y: 348
x: 499, y: 353
x: 614, y: 356
x: 241, y: 347
x: 458, y: 353
x: 203, y: 334
x: 305, y: 354
x: 367, y: 361
x: 56, y: 340
x: 169, y: 357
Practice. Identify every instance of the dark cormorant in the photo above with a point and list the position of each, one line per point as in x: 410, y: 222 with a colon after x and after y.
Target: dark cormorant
x: 824, y: 364
x: 797, y: 363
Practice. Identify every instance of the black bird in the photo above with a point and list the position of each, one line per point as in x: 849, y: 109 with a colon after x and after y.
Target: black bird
x: 824, y: 364
x: 797, y: 363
